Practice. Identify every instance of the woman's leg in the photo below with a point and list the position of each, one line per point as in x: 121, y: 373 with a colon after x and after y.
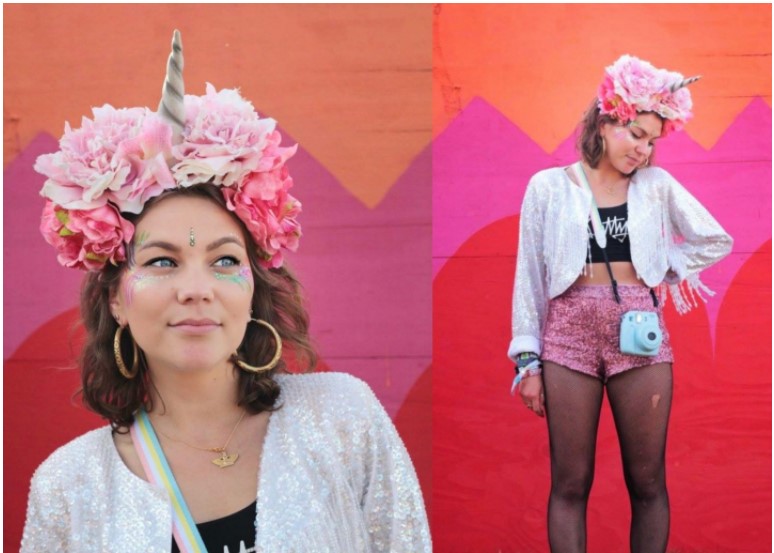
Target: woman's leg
x: 573, y: 402
x: 641, y: 399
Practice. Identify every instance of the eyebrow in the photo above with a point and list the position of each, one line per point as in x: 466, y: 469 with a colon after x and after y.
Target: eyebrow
x: 176, y: 249
x: 225, y: 240
x: 160, y: 244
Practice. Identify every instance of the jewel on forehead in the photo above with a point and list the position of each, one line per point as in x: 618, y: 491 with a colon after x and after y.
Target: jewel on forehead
x: 191, y: 237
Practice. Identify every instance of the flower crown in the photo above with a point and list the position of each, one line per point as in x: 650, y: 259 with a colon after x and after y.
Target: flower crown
x: 121, y: 158
x: 632, y: 86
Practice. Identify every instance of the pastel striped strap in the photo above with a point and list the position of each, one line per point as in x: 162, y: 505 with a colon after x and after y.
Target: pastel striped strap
x: 158, y: 472
x: 596, y: 220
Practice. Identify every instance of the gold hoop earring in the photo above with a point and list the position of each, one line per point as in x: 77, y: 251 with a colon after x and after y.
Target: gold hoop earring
x: 120, y: 360
x: 277, y: 354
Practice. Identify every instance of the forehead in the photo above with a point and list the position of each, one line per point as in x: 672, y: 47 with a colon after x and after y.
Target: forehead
x: 650, y: 122
x: 173, y: 217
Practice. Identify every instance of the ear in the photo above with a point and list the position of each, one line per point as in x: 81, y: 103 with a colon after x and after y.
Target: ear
x: 604, y: 129
x: 117, y: 307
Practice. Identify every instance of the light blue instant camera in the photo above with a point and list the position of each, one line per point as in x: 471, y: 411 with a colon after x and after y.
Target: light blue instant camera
x: 640, y: 333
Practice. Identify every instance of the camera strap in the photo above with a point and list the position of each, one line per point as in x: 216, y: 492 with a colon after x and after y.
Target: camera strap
x: 600, y: 234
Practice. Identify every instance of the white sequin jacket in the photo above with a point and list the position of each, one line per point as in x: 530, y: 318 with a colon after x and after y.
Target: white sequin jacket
x: 335, y: 477
x: 673, y: 237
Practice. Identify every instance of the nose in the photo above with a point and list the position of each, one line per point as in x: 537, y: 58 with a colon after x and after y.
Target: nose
x: 642, y: 147
x: 194, y: 286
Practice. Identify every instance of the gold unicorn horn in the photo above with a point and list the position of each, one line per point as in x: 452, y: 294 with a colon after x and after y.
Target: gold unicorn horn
x: 172, y: 93
x: 685, y: 82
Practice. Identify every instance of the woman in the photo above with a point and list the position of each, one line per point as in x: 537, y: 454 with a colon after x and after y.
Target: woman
x: 181, y: 218
x: 596, y: 239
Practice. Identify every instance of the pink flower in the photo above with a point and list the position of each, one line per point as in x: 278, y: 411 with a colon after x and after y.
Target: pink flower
x: 85, y: 166
x: 224, y: 140
x: 269, y: 212
x: 274, y: 156
x: 632, y: 86
x: 86, y: 239
x: 676, y: 106
x: 145, y: 155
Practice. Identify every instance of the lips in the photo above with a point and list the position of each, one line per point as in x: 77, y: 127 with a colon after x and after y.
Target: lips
x: 195, y: 326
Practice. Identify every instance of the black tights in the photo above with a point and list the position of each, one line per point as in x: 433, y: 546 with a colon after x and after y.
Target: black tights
x: 640, y: 400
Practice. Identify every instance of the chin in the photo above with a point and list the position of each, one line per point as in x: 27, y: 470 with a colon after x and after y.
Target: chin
x: 197, y: 362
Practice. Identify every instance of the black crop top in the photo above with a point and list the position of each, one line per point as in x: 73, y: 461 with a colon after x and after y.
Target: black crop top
x: 234, y: 533
x: 615, y: 221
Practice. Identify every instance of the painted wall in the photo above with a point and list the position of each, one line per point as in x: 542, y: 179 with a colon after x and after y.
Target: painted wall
x: 510, y: 84
x: 350, y: 84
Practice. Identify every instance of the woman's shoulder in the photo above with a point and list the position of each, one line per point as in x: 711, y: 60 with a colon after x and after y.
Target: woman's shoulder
x: 330, y: 395
x: 324, y: 386
x: 654, y: 175
x: 552, y: 176
x: 68, y: 461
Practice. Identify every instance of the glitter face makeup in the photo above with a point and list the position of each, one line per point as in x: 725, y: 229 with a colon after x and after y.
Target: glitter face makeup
x: 141, y: 239
x: 137, y: 280
x: 624, y: 133
x: 243, y: 278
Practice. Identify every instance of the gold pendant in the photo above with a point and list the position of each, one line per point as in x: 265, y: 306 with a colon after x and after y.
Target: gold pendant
x: 225, y: 460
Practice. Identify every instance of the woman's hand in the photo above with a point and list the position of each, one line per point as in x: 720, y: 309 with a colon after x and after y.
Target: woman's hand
x: 531, y: 391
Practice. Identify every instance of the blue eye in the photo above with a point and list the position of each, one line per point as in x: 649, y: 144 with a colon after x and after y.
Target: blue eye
x: 163, y: 262
x: 227, y: 261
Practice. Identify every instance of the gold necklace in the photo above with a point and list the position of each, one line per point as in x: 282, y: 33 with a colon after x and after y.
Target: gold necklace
x: 224, y: 459
x: 610, y: 189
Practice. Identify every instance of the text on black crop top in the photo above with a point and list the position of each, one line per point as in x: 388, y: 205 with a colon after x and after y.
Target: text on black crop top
x: 231, y: 534
x: 616, y: 224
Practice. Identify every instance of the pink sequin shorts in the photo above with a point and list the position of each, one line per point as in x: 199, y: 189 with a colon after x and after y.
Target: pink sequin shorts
x: 582, y: 330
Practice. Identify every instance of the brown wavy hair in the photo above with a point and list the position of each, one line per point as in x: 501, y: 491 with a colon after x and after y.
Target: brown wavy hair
x: 590, y: 142
x: 276, y: 299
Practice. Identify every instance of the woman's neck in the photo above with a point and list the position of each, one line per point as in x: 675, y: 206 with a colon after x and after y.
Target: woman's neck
x: 195, y: 403
x: 604, y: 174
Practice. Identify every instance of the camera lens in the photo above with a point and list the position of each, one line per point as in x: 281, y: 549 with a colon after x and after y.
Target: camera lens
x: 651, y: 336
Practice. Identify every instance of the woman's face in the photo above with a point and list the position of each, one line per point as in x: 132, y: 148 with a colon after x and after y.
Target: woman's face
x: 628, y: 147
x: 186, y: 297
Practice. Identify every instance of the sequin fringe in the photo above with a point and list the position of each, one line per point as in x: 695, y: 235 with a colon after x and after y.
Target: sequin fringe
x: 684, y: 294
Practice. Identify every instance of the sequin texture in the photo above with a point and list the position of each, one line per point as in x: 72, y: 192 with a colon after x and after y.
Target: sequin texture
x: 673, y: 238
x: 334, y: 477
x: 583, y: 328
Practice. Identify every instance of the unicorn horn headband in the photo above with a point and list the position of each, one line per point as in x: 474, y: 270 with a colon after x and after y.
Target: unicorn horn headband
x: 172, y: 106
x: 685, y: 82
x: 631, y: 86
x: 109, y: 168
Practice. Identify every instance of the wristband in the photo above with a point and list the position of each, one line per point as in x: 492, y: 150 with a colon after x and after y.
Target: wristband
x: 527, y: 364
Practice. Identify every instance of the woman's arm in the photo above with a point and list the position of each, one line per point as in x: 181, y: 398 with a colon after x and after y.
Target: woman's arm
x: 698, y: 241
x: 46, y: 525
x: 530, y: 294
x: 392, y: 501
x: 704, y: 240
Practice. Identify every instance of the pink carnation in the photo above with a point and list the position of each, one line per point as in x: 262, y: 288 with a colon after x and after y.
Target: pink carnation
x: 86, y: 239
x: 85, y: 166
x: 677, y: 106
x: 224, y: 140
x: 269, y: 212
x: 145, y: 155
